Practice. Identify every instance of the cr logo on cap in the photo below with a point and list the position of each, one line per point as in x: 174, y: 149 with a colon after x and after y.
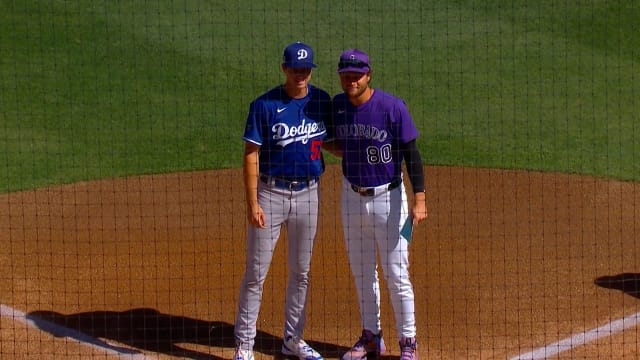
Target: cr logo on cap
x: 302, y: 54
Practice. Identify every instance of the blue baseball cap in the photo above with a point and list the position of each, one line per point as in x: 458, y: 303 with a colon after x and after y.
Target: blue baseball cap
x: 298, y: 55
x: 354, y: 60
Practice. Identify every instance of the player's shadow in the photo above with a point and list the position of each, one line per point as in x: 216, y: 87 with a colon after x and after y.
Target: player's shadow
x: 149, y: 330
x: 629, y: 283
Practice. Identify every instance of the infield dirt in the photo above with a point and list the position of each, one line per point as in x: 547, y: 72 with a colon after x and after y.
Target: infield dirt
x: 506, y: 263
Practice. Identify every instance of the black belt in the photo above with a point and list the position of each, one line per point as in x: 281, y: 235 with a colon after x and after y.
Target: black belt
x: 291, y: 185
x: 368, y: 191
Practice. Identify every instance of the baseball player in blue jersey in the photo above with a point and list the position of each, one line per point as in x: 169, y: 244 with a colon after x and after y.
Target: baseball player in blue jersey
x: 282, y: 165
x: 375, y: 133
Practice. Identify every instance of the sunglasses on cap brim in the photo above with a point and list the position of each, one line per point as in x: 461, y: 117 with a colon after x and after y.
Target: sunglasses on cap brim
x: 352, y: 63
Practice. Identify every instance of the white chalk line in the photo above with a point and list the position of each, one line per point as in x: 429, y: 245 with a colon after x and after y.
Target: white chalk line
x: 75, y: 335
x: 581, y: 338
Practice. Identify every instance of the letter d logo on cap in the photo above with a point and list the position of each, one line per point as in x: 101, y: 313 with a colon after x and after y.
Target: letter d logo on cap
x: 298, y: 55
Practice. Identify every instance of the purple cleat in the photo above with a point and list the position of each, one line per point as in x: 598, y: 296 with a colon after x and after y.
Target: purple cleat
x: 368, y: 344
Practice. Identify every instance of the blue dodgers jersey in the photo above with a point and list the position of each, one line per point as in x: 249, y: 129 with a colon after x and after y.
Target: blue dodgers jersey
x: 289, y: 132
x: 370, y: 136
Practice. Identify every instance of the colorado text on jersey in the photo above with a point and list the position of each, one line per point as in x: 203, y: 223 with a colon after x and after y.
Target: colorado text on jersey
x: 361, y: 131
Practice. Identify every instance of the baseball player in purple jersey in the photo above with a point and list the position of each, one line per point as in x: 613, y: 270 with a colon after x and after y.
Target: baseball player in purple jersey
x: 282, y: 165
x: 375, y: 133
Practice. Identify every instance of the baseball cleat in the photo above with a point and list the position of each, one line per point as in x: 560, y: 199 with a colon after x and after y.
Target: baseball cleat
x: 243, y: 354
x: 368, y: 344
x: 408, y: 348
x: 294, y: 346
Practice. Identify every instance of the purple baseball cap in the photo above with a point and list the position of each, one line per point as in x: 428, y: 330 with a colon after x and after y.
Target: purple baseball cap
x: 354, y: 60
x: 298, y: 55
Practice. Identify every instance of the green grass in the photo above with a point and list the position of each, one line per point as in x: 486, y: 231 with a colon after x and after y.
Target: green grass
x: 98, y: 89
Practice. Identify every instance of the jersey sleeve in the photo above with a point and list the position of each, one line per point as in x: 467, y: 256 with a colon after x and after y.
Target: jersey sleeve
x: 253, y: 131
x: 406, y: 126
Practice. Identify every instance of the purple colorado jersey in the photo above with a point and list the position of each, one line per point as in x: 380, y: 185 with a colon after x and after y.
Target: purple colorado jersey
x: 378, y: 126
x: 276, y: 122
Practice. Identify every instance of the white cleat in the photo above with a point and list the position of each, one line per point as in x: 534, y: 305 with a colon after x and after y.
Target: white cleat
x: 243, y: 354
x: 294, y: 346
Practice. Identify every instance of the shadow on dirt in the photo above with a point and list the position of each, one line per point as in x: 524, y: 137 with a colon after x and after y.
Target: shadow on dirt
x: 629, y: 283
x: 149, y: 330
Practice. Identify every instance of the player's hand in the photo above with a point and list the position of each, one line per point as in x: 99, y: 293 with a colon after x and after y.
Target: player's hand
x: 256, y: 217
x: 419, y: 210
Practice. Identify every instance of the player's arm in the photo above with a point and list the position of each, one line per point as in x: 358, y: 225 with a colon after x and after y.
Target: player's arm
x: 413, y: 161
x: 250, y: 168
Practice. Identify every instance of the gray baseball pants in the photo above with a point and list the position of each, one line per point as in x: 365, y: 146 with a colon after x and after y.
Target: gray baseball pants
x: 298, y: 212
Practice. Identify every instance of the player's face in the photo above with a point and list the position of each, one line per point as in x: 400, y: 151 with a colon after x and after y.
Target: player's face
x: 354, y: 84
x: 298, y: 77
